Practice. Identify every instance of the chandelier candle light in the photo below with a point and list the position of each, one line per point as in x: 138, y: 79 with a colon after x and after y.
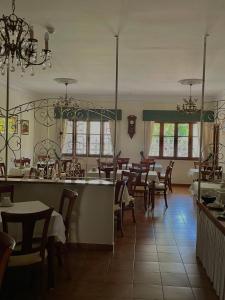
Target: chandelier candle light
x: 189, y: 106
x: 18, y: 49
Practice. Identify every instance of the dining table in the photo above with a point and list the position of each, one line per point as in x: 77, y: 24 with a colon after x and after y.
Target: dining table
x: 93, y: 173
x: 56, y: 231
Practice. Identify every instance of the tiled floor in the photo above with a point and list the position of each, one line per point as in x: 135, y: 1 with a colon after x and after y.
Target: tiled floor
x: 154, y: 260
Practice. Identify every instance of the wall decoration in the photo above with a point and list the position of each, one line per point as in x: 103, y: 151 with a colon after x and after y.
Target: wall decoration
x: 24, y: 127
x: 12, y: 125
x: 131, y: 125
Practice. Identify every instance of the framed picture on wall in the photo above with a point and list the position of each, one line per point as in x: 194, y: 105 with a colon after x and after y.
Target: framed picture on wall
x: 12, y: 125
x: 24, y: 127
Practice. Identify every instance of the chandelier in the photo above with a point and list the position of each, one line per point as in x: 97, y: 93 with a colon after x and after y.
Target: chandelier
x: 190, y: 104
x: 18, y: 47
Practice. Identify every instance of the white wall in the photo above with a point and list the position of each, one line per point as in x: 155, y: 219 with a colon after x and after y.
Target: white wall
x: 17, y: 97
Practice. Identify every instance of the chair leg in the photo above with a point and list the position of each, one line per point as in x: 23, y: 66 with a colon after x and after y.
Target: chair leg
x: 145, y: 199
x: 153, y: 199
x: 133, y: 215
x: 165, y: 197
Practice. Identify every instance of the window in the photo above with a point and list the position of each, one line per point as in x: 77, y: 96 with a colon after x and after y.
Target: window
x: 91, y: 138
x: 175, y: 140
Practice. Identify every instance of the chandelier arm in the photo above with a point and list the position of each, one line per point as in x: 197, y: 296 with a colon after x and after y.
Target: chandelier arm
x: 13, y: 6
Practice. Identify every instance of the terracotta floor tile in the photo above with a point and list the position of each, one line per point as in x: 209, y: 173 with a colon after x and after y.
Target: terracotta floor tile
x: 148, y: 292
x: 169, y: 257
x: 146, y: 266
x: 177, y: 293
x: 167, y: 267
x: 175, y: 279
x: 147, y: 277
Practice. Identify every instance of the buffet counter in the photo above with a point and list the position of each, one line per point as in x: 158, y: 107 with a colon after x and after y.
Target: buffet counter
x: 92, y: 217
x: 211, y: 246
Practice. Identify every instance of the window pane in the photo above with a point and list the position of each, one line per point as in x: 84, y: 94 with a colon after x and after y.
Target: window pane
x: 94, y: 147
x: 81, y: 137
x: 67, y: 146
x: 156, y: 129
x: 196, y: 129
x: 195, y: 147
x: 182, y: 147
x: 94, y: 127
x: 81, y: 144
x: 94, y: 144
x: 107, y: 141
x: 168, y: 139
x: 154, y: 149
x: 69, y: 126
x: 81, y: 127
x: 168, y: 146
x: 169, y: 129
x: 183, y: 129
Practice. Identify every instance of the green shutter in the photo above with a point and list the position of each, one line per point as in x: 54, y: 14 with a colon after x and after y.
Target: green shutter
x: 175, y: 116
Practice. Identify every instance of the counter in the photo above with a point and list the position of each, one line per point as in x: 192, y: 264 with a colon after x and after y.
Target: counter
x: 211, y: 246
x: 92, y: 217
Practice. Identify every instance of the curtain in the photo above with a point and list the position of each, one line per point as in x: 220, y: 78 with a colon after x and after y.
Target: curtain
x: 148, y: 131
x: 207, y: 139
x: 112, y: 133
x: 62, y: 132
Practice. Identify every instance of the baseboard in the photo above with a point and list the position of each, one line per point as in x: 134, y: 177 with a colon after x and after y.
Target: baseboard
x: 86, y: 246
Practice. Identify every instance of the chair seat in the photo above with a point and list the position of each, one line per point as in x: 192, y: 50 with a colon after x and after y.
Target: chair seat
x: 26, y: 259
x: 160, y: 186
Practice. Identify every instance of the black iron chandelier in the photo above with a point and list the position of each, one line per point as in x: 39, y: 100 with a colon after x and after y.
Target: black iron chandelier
x: 190, y: 104
x: 18, y: 47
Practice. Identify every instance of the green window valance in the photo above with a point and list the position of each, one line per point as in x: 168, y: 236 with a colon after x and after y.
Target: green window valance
x: 87, y: 115
x: 175, y: 116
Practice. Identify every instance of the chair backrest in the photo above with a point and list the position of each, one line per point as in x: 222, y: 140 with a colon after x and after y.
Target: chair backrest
x: 67, y: 201
x: 125, y: 175
x: 29, y: 243
x: 171, y: 164
x: 33, y: 173
x: 148, y: 165
x: 2, y: 170
x: 204, y: 165
x: 7, y: 189
x: 167, y: 175
x: 7, y: 244
x: 123, y: 161
x: 131, y: 183
x: 119, y: 188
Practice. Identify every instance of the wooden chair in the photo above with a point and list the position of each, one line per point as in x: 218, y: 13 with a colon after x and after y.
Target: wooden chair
x: 22, y: 162
x: 131, y: 181
x: 204, y: 165
x: 141, y: 185
x: 7, y: 244
x: 118, y: 200
x: 30, y: 251
x: 163, y: 186
x: 149, y: 165
x: 67, y: 201
x: 2, y: 170
x: 33, y: 173
x: 7, y: 190
x: 123, y: 161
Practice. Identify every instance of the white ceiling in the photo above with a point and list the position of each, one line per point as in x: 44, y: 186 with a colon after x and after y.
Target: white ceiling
x: 161, y: 42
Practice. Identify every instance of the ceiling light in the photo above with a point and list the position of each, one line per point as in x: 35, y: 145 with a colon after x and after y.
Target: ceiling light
x: 190, y: 104
x: 18, y: 47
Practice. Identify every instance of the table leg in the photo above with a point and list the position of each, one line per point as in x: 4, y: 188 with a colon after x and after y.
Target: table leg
x: 51, y: 255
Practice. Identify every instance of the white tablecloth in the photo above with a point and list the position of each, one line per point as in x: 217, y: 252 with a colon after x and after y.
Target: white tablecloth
x: 211, y: 251
x: 56, y: 226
